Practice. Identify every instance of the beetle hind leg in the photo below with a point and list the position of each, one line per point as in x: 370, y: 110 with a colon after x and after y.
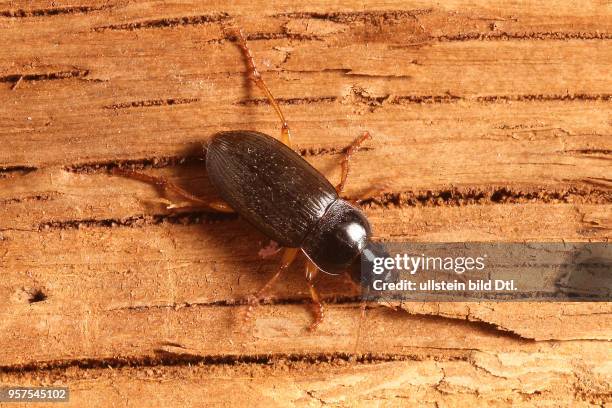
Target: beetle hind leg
x: 214, y: 205
x: 256, y: 77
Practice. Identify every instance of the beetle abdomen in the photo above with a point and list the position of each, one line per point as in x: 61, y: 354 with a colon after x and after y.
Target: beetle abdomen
x: 268, y: 184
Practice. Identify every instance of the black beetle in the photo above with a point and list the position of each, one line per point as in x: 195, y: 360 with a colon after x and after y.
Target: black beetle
x: 283, y: 196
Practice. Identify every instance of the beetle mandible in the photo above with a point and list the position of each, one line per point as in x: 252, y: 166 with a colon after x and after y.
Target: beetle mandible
x: 283, y: 196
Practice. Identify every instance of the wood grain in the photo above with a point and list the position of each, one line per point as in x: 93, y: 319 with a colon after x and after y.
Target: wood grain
x: 491, y: 122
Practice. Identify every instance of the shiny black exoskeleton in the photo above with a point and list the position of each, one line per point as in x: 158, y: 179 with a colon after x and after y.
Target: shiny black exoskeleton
x: 282, y: 195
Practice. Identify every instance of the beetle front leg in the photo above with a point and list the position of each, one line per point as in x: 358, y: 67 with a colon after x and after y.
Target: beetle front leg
x: 317, y: 305
x: 256, y: 77
x: 215, y: 205
x: 348, y: 152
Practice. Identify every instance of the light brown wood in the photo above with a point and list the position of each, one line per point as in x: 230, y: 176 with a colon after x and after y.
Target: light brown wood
x: 490, y: 122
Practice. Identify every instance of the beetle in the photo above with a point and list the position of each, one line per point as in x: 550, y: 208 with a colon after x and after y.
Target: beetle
x: 271, y: 186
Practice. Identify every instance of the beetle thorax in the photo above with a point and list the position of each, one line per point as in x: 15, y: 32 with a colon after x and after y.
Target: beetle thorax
x: 338, y: 238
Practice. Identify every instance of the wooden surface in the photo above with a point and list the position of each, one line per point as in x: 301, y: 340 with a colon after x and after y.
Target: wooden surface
x: 490, y: 123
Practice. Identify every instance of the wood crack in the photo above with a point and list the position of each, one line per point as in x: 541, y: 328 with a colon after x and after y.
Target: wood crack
x: 591, y: 152
x: 152, y: 103
x: 186, y: 218
x: 134, y: 164
x: 22, y: 170
x: 47, y: 76
x: 606, y: 97
x: 524, y: 36
x: 362, y: 97
x: 456, y: 197
x: 36, y: 197
x: 167, y: 22
x: 163, y: 357
x: 358, y: 16
x: 333, y: 299
x: 55, y: 11
x: 257, y: 36
x: 287, y: 101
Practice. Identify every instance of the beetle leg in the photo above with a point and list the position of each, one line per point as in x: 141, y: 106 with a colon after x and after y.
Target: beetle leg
x: 289, y: 255
x: 348, y: 152
x: 255, y: 76
x: 317, y: 305
x: 216, y: 205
